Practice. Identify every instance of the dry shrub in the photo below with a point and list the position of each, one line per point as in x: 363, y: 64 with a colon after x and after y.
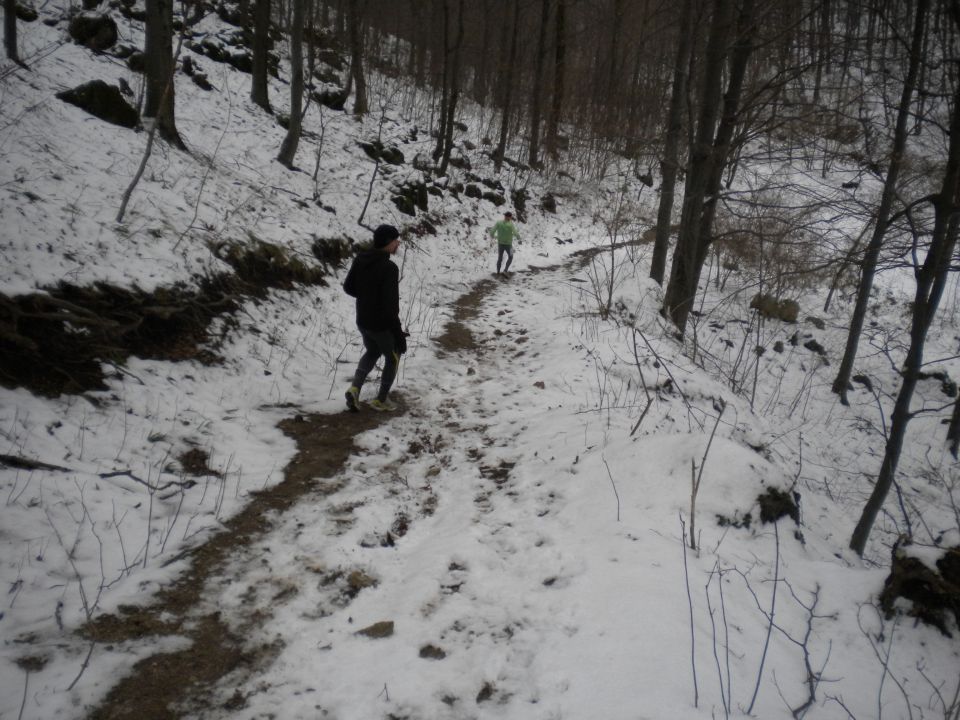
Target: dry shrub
x: 771, y: 244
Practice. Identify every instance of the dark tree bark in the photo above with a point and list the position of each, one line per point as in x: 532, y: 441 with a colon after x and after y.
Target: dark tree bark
x: 453, y: 94
x: 481, y: 79
x: 537, y: 90
x: 931, y: 281
x: 259, y: 94
x: 707, y: 158
x: 355, y: 22
x: 288, y: 149
x: 869, y: 265
x: 559, y: 72
x: 444, y: 81
x: 10, y: 30
x: 669, y: 165
x: 159, y: 67
x: 508, y: 80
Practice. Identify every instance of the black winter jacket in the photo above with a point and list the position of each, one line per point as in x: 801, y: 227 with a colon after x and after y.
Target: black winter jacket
x: 375, y: 282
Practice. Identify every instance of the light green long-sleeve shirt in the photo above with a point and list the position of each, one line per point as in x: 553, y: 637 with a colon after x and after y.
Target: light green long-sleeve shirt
x: 505, y: 232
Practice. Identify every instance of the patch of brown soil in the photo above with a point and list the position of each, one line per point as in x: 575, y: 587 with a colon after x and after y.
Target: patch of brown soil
x: 456, y: 335
x: 57, y: 341
x: 159, y: 685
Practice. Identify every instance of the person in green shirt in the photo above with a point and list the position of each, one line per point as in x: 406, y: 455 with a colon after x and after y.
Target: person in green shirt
x: 505, y: 232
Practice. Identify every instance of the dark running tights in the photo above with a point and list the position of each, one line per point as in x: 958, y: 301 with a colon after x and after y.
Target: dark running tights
x: 377, y: 343
x: 501, y: 249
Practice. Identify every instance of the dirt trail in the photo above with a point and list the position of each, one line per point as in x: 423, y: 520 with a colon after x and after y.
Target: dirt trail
x: 156, y: 687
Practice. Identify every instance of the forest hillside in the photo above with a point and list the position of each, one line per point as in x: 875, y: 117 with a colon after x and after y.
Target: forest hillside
x: 693, y: 455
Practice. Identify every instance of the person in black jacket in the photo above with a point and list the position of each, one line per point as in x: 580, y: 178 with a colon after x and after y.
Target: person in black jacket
x: 375, y: 282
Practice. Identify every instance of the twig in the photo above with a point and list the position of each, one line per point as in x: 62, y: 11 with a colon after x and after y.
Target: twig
x: 713, y: 627
x: 614, y: 488
x: 686, y: 577
x: 86, y: 662
x: 773, y: 606
x: 696, y: 477
x: 643, y: 382
x: 23, y: 702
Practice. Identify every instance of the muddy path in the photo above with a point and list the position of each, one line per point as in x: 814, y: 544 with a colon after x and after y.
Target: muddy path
x: 165, y: 685
x: 173, y: 684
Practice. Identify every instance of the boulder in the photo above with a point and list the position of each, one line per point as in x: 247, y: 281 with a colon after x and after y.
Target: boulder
x: 933, y: 593
x: 771, y: 307
x: 26, y: 12
x: 103, y: 101
x: 94, y: 30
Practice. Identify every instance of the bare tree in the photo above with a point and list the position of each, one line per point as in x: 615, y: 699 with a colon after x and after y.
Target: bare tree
x: 869, y: 263
x: 355, y: 25
x: 508, y: 82
x: 669, y: 165
x: 709, y: 154
x: 453, y: 92
x: 931, y: 280
x: 537, y: 90
x: 10, y: 31
x: 259, y: 93
x: 559, y: 73
x: 160, y: 66
x: 288, y: 149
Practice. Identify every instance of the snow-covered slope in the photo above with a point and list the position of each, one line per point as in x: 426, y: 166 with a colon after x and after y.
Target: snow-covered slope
x: 544, y: 475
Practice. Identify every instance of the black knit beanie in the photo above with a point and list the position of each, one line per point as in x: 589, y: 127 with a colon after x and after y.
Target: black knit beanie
x: 384, y: 235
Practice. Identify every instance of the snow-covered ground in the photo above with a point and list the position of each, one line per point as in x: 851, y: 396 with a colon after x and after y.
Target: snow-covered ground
x: 543, y: 572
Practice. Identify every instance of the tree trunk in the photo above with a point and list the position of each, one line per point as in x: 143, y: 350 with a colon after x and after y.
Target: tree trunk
x: 454, y: 93
x: 444, y: 82
x: 559, y: 69
x: 360, y: 104
x: 887, y: 197
x: 671, y: 161
x: 481, y: 79
x: 930, y: 283
x: 537, y: 90
x: 159, y: 68
x: 10, y: 30
x: 259, y: 94
x: 685, y: 272
x: 508, y: 80
x: 288, y: 149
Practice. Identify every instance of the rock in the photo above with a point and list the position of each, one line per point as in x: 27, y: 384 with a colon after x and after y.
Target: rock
x: 934, y: 595
x: 423, y: 162
x: 359, y: 580
x: 411, y: 197
x: 103, y: 101
x: 378, y: 630
x: 549, y: 204
x: 816, y: 322
x: 495, y: 198
x: 432, y: 652
x: 25, y: 12
x: 94, y: 30
x: 486, y: 692
x: 333, y: 99
x: 136, y: 62
x: 814, y: 346
x: 771, y: 307
x: 472, y: 191
x: 377, y: 151
x: 775, y: 504
x: 519, y: 199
